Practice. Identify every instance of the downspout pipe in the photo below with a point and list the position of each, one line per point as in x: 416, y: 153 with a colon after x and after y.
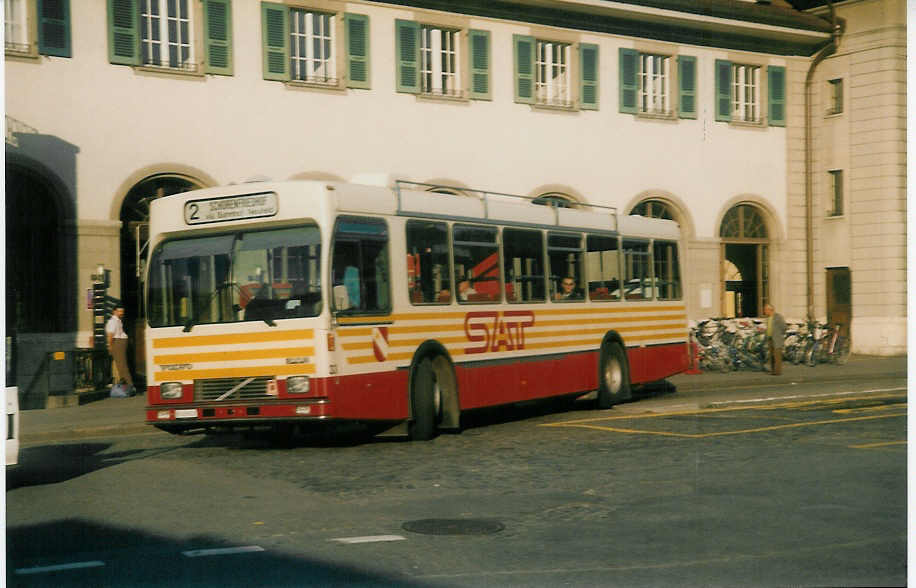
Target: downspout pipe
x: 828, y: 49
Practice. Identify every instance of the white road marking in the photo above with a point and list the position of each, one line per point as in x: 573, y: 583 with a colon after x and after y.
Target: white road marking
x: 56, y: 568
x: 369, y: 539
x: 222, y: 551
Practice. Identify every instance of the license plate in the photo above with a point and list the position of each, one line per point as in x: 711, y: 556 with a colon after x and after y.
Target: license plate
x: 186, y: 413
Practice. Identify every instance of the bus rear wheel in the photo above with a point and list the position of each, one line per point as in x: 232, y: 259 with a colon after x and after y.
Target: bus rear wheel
x: 426, y: 403
x: 614, y: 376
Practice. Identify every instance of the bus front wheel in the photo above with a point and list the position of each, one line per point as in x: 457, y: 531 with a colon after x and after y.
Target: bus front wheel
x: 614, y: 375
x: 426, y: 403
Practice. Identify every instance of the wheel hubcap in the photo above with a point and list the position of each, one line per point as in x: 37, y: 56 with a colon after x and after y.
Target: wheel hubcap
x: 613, y: 375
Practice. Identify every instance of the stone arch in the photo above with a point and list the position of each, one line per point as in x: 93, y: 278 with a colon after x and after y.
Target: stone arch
x: 679, y: 210
x: 559, y: 191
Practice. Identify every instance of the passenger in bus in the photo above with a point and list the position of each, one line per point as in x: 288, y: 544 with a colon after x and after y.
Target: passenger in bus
x: 465, y: 290
x: 568, y: 290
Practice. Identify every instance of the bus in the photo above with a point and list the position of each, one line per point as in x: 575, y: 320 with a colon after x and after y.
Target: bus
x: 401, y: 306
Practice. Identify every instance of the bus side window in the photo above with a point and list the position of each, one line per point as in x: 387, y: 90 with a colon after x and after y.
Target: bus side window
x: 564, y: 258
x: 428, y: 275
x: 667, y: 271
x: 523, y: 264
x: 636, y: 271
x: 476, y: 255
x: 360, y: 267
x: 602, y: 266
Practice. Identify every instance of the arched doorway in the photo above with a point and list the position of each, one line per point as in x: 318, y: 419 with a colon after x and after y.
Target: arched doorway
x: 134, y: 236
x: 745, y: 261
x: 39, y: 256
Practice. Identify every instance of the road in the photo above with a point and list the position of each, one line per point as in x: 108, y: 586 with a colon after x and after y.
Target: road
x: 792, y: 492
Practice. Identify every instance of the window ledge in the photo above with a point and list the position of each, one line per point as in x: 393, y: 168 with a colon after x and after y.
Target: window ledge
x: 832, y: 216
x: 833, y: 114
x: 749, y: 124
x: 667, y: 116
x: 434, y: 97
x: 169, y: 71
x: 334, y: 86
x: 562, y: 107
x: 20, y: 51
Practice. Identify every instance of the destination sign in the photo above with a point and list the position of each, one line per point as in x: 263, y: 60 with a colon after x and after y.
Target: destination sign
x: 230, y: 208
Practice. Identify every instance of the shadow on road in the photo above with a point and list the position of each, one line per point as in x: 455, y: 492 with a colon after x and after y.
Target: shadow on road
x: 130, y: 557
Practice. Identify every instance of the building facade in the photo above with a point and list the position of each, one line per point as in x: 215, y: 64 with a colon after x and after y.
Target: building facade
x: 692, y: 111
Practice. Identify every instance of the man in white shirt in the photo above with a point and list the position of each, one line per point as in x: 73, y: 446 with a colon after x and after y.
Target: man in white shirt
x: 117, y: 346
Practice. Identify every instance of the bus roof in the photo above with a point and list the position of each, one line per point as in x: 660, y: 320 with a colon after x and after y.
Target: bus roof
x: 403, y: 199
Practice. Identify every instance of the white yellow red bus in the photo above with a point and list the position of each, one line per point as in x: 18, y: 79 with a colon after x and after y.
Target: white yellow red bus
x: 281, y: 304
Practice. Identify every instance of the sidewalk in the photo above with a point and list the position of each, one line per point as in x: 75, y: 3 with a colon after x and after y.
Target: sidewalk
x: 125, y: 416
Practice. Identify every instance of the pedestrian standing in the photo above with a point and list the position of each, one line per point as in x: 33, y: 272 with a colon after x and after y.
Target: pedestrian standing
x: 117, y: 347
x: 776, y: 338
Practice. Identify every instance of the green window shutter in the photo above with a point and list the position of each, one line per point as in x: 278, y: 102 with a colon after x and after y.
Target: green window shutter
x: 123, y: 32
x: 480, y: 65
x: 54, y: 27
x: 274, y: 40
x: 776, y: 83
x: 723, y: 90
x: 629, y: 83
x: 407, y: 41
x: 356, y: 27
x: 218, y: 36
x: 588, y: 76
x: 687, y: 86
x: 524, y: 48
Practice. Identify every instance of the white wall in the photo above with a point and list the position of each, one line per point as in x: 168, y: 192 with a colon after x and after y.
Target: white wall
x: 232, y: 128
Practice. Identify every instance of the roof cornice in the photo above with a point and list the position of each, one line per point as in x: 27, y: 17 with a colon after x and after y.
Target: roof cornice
x: 729, y: 24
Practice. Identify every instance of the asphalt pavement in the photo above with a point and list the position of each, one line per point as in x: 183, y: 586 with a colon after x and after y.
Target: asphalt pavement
x: 125, y: 416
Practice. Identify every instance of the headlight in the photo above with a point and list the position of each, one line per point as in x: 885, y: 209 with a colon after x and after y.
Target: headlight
x: 297, y: 385
x: 170, y: 390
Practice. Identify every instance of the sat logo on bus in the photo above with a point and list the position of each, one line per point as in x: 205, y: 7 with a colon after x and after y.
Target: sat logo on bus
x: 494, y: 330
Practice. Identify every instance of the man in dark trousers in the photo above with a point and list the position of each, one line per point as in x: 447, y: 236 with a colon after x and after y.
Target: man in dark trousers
x: 776, y: 338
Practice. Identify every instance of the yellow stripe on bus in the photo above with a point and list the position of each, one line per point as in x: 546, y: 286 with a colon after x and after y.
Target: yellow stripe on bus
x: 243, y: 372
x: 232, y: 338
x: 445, y: 315
x: 673, y: 338
x: 234, y: 355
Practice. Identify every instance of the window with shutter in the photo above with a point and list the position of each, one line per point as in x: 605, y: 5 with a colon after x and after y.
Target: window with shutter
x: 480, y: 64
x: 357, y: 29
x: 723, y: 90
x: 408, y: 56
x: 123, y: 32
x: 776, y: 107
x: 523, y: 53
x: 275, y: 40
x: 54, y: 27
x: 17, y: 34
x: 588, y: 74
x: 687, y: 86
x: 218, y: 35
x: 629, y: 84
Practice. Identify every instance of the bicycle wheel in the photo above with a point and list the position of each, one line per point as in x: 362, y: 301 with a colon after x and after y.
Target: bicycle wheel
x: 812, y: 352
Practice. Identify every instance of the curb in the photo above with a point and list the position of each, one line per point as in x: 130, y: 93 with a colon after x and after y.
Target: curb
x: 70, y: 434
x: 876, y: 393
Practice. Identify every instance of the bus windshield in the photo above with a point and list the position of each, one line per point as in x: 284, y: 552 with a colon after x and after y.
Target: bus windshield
x: 256, y: 275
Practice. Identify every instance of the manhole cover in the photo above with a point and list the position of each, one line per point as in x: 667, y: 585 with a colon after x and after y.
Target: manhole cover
x: 454, y: 526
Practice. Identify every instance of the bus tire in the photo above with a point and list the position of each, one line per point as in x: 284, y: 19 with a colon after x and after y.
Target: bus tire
x: 426, y: 403
x: 613, y: 376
